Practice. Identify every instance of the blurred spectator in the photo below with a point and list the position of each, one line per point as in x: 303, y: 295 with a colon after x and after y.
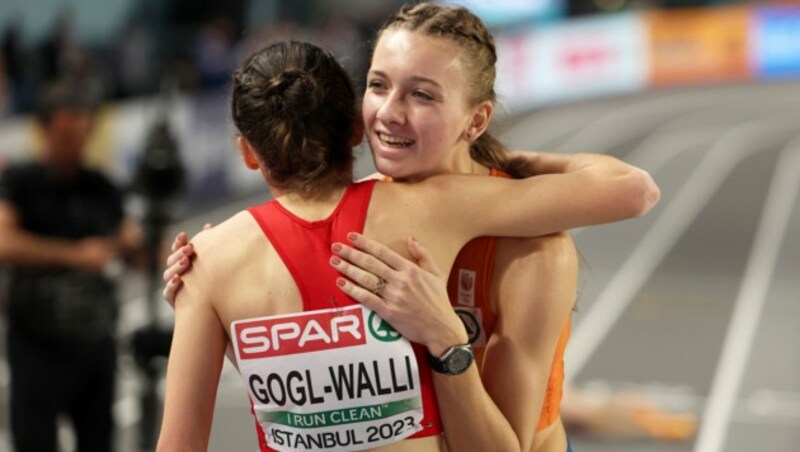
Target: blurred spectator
x: 213, y: 53
x: 61, y: 232
x: 135, y: 61
x: 18, y: 71
x: 5, y: 91
x: 56, y: 49
x: 343, y: 38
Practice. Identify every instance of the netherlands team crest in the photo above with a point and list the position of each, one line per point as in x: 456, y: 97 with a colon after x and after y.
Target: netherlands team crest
x: 466, y: 287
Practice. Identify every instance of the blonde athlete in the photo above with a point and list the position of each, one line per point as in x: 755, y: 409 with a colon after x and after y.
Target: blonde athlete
x: 428, y: 63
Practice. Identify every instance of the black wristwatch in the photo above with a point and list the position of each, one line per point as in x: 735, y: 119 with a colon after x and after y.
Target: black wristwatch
x: 454, y: 361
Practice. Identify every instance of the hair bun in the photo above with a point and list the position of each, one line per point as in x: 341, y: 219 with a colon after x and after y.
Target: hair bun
x: 294, y: 94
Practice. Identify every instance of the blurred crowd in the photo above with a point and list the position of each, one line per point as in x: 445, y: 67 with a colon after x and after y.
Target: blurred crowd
x: 194, y: 45
x: 177, y: 43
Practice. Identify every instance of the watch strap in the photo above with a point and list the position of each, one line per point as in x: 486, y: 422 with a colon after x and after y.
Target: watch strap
x: 440, y: 364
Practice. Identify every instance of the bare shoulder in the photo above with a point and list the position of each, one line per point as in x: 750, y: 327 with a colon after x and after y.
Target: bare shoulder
x: 225, y: 232
x: 220, y: 249
x: 436, y: 192
x: 451, y: 182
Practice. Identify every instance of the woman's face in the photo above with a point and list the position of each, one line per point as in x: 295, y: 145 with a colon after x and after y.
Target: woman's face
x: 415, y: 106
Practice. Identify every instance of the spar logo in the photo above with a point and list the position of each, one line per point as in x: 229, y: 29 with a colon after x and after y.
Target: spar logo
x: 381, y: 330
x: 300, y: 333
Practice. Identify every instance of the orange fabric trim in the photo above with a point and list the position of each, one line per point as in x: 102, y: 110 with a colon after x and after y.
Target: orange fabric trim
x: 551, y: 408
x: 479, y: 256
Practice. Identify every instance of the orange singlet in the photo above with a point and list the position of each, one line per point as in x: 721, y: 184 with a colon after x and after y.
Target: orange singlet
x: 469, y: 288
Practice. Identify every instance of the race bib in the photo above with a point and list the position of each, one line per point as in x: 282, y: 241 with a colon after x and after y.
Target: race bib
x: 334, y: 379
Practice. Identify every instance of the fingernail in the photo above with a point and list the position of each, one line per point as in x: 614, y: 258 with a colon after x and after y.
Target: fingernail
x: 352, y: 236
x: 335, y: 260
x: 184, y: 261
x: 336, y: 247
x: 340, y: 282
x: 186, y: 250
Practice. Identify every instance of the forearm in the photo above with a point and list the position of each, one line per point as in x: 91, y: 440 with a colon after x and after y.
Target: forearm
x: 535, y: 163
x: 131, y: 239
x: 18, y: 247
x: 592, y: 190
x: 471, y: 419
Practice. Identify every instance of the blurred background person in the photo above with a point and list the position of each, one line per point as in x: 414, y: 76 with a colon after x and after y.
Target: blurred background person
x: 62, y: 232
x: 17, y: 71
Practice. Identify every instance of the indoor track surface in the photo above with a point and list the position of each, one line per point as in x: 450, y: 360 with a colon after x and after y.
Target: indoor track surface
x: 695, y: 306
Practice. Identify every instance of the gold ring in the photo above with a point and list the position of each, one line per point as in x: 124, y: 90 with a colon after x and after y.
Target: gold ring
x: 379, y: 286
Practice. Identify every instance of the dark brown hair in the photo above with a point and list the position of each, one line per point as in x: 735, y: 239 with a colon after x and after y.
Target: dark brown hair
x: 61, y: 95
x: 296, y: 106
x: 461, y: 26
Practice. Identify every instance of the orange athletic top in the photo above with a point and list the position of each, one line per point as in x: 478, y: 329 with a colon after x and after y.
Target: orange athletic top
x: 469, y: 290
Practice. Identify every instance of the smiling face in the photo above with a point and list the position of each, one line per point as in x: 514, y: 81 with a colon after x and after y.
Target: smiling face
x: 415, y: 107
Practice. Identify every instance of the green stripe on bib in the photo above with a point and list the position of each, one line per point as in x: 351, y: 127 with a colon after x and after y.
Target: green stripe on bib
x: 341, y: 416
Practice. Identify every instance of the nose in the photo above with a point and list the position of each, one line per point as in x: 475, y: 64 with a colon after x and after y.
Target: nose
x: 392, y: 110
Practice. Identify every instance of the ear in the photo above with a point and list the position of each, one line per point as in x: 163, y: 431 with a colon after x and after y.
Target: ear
x: 248, y: 153
x: 481, y: 117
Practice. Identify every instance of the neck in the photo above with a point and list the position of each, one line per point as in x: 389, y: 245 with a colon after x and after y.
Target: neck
x: 318, y: 197
x: 321, y: 190
x: 311, y: 207
x: 464, y: 164
x: 461, y: 163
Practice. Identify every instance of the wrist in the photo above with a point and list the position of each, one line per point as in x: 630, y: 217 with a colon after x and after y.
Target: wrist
x: 455, y: 360
x: 441, y: 344
x: 67, y: 254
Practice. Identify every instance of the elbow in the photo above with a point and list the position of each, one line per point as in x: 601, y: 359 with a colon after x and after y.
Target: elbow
x: 5, y: 250
x: 642, y: 193
x: 11, y: 249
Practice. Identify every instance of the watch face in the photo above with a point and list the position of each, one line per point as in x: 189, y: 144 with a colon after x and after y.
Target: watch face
x: 459, y: 360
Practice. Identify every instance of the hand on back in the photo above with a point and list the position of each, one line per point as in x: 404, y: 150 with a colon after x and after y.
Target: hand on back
x: 178, y: 263
x: 412, y: 296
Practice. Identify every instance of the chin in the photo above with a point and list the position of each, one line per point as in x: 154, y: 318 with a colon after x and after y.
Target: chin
x: 393, y: 169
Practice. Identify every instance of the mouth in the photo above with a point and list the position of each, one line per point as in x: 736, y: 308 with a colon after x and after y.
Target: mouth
x: 392, y: 141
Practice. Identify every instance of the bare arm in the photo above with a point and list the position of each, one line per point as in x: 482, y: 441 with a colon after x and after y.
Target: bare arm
x: 530, y: 163
x: 535, y: 283
x: 194, y: 368
x: 582, y: 189
x: 597, y: 189
x: 414, y: 300
x: 19, y: 247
